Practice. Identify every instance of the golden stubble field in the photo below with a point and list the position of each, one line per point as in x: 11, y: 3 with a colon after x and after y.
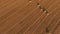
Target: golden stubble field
x: 29, y: 16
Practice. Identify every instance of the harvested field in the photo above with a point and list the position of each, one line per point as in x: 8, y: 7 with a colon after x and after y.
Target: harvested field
x: 29, y: 16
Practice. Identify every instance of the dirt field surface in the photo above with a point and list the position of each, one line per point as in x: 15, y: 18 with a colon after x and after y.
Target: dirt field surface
x: 29, y: 16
